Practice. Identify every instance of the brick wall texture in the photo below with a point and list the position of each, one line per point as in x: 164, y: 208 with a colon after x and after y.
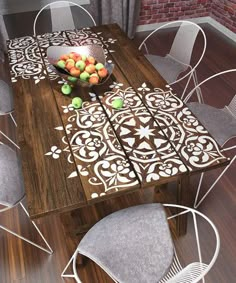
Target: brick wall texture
x: 155, y: 11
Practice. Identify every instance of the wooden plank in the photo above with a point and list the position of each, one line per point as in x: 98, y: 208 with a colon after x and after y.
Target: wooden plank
x: 47, y: 187
x: 91, y: 141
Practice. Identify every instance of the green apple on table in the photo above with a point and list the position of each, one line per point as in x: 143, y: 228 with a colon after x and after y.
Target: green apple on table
x: 77, y: 102
x: 117, y: 103
x: 66, y: 89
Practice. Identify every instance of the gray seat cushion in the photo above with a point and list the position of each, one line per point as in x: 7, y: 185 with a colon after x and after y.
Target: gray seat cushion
x: 220, y: 124
x: 11, y: 182
x: 6, y: 98
x: 132, y: 245
x: 168, y: 68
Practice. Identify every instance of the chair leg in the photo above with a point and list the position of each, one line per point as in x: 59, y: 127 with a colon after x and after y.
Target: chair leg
x: 186, y: 86
x: 198, y: 190
x: 198, y: 90
x: 63, y: 275
x: 13, y: 119
x: 197, y: 203
x: 9, y: 140
x: 49, y: 250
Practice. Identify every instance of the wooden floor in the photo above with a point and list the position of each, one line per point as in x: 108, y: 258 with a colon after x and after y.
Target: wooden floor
x: 21, y: 262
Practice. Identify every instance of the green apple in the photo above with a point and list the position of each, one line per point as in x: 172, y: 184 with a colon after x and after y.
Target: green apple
x: 72, y: 79
x: 99, y: 66
x: 84, y: 76
x: 61, y: 64
x: 77, y: 102
x: 66, y: 89
x: 80, y: 65
x: 117, y: 103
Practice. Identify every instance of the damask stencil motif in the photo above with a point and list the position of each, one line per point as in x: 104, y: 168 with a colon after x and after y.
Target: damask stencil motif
x: 93, y: 143
x: 25, y: 59
x: 159, y: 135
x: 190, y: 139
x: 150, y: 152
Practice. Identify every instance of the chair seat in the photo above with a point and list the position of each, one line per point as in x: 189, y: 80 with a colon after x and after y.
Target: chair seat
x: 220, y: 124
x: 11, y: 182
x: 168, y: 68
x: 132, y: 245
x: 6, y: 98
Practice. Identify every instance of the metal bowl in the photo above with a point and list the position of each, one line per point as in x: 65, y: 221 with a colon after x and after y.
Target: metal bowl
x: 54, y: 53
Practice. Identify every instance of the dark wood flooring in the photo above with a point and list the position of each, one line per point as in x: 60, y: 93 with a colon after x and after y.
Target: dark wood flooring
x: 23, y: 263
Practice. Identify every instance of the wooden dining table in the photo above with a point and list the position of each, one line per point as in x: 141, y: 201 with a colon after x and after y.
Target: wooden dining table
x: 76, y: 157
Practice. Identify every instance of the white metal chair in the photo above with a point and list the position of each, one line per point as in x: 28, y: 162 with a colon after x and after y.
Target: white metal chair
x: 175, y: 65
x: 62, y: 15
x: 6, y: 105
x: 221, y: 123
x: 135, y: 245
x: 12, y: 190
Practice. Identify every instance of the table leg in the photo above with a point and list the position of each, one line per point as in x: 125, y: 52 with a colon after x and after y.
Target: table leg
x: 183, y: 198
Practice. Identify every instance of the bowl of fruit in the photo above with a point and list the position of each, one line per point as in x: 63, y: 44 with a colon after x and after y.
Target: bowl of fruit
x: 82, y: 65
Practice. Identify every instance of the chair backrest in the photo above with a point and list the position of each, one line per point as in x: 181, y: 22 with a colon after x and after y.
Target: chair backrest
x: 183, y: 43
x: 62, y: 15
x: 187, y: 34
x: 194, y: 271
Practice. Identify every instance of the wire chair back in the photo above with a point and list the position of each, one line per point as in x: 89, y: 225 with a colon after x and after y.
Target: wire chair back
x: 60, y: 16
x: 187, y: 34
x: 182, y: 45
x: 194, y: 271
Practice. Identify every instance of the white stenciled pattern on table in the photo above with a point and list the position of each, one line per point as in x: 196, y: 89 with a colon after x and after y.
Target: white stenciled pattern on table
x: 56, y: 39
x: 93, y: 143
x: 143, y: 87
x: 55, y: 152
x: 188, y: 136
x: 201, y: 150
x: 116, y: 85
x: 86, y: 36
x: 25, y: 59
x: 148, y: 149
x: 128, y: 95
